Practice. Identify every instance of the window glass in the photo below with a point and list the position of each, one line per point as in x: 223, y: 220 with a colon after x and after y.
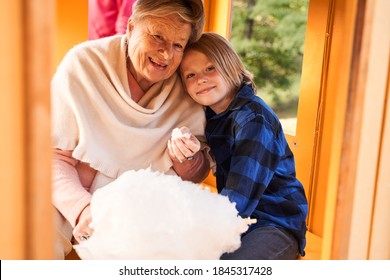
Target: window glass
x: 269, y: 37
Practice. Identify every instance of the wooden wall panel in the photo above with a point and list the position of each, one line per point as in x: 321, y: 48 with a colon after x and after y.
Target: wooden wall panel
x: 71, y: 25
x: 380, y: 230
x: 25, y: 73
x: 218, y: 16
x: 304, y: 142
x: 332, y: 120
x: 351, y: 205
x: 39, y: 50
x: 12, y: 124
x: 375, y: 54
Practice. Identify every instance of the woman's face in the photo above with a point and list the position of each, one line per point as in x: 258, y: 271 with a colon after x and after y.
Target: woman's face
x: 156, y: 48
x: 204, y: 83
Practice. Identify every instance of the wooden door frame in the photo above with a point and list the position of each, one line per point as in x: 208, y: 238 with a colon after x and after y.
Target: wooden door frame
x: 26, y: 211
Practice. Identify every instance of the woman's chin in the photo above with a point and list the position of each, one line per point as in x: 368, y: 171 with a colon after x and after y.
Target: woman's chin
x: 157, y: 76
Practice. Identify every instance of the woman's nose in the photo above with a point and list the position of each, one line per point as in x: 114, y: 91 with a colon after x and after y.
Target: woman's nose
x: 167, y: 51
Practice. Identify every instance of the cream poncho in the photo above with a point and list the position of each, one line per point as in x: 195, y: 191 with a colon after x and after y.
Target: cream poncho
x: 94, y: 115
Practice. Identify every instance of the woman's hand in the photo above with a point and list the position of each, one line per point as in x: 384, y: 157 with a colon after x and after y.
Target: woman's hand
x: 183, y: 145
x: 83, y: 231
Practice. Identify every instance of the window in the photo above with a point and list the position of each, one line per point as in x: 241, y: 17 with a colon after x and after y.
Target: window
x: 269, y: 37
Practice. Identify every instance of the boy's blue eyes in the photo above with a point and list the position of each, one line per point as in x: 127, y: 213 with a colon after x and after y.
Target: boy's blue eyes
x: 208, y: 69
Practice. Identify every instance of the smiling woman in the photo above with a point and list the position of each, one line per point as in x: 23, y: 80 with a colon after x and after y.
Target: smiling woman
x: 117, y: 92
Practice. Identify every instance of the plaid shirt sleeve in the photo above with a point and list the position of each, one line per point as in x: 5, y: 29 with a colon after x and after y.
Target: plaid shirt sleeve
x: 256, y: 154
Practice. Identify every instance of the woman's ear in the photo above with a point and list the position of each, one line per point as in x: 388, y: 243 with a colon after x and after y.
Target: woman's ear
x: 130, y: 25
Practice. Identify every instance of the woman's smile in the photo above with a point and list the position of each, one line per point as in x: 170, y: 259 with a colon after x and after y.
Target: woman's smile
x: 158, y: 65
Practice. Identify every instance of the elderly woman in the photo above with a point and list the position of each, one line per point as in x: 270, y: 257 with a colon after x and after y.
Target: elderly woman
x: 115, y: 102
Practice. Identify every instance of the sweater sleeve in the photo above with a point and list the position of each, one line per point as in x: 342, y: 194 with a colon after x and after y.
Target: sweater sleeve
x: 195, y: 170
x: 68, y: 194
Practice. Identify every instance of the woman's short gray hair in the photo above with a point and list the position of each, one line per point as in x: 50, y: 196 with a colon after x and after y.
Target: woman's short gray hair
x: 191, y: 11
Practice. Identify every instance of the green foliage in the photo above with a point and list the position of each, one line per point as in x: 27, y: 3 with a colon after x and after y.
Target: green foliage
x: 269, y: 37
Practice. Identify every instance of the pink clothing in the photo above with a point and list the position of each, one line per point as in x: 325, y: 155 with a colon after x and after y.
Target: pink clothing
x: 108, y: 17
x: 73, y: 179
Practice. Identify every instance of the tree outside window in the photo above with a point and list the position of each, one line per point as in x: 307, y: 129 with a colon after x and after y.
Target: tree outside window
x: 269, y: 37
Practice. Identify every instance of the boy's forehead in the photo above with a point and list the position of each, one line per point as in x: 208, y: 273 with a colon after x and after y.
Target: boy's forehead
x: 193, y: 59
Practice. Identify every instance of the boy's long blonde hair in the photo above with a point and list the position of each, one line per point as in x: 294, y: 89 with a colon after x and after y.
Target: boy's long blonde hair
x: 225, y: 59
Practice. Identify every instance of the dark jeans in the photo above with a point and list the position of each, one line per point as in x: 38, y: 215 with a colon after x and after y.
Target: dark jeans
x: 265, y: 243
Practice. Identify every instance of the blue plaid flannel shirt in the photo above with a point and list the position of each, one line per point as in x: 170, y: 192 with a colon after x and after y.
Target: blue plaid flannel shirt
x: 255, y: 167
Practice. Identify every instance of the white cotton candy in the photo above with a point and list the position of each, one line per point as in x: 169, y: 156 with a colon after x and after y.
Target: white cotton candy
x: 177, y: 133
x: 147, y: 215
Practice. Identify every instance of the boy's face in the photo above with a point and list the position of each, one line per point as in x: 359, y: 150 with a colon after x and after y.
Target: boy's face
x: 204, y: 83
